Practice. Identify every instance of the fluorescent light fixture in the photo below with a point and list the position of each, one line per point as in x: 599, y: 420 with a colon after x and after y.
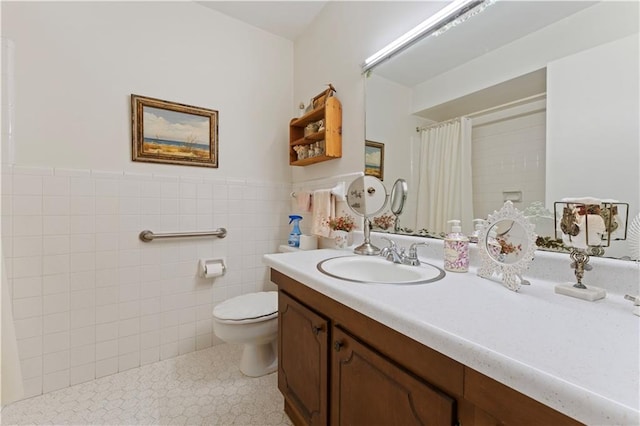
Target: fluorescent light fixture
x: 434, y: 23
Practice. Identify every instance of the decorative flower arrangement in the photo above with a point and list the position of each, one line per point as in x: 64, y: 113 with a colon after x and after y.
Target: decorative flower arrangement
x: 384, y: 222
x: 342, y: 223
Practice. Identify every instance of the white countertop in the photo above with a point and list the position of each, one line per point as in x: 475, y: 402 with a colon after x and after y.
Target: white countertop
x: 580, y: 358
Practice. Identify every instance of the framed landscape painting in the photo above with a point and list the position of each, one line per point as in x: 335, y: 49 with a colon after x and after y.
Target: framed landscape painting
x: 374, y: 159
x: 173, y: 133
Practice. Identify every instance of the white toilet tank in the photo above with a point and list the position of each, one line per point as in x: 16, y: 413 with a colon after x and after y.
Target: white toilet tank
x: 283, y: 248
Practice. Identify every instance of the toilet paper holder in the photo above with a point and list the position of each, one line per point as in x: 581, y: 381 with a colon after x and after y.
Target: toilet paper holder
x: 211, y: 268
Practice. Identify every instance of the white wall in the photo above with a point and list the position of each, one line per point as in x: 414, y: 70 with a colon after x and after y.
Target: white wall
x: 89, y: 298
x: 593, y: 126
x: 78, y: 62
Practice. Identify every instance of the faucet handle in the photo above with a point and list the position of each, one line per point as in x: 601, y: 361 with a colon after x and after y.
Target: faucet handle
x: 392, y: 244
x: 412, y: 258
x: 413, y: 248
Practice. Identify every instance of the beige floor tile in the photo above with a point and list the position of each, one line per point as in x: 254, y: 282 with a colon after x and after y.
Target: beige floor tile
x: 200, y: 388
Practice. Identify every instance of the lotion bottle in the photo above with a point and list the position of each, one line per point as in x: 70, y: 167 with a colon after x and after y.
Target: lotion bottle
x: 456, y: 249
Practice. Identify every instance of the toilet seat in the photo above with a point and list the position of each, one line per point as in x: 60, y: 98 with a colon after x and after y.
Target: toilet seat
x: 248, y: 308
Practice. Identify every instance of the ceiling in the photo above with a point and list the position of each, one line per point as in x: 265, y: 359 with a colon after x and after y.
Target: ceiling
x: 287, y: 19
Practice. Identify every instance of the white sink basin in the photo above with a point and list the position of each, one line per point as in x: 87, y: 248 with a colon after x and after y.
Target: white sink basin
x: 377, y: 270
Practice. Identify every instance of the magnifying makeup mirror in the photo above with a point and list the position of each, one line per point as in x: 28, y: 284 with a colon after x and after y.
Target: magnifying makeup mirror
x: 366, y: 197
x: 396, y: 200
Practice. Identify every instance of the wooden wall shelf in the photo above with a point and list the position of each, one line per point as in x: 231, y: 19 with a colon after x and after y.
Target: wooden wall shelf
x: 330, y: 137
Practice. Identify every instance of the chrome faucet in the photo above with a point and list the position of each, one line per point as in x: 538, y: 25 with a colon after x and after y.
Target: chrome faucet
x: 391, y: 252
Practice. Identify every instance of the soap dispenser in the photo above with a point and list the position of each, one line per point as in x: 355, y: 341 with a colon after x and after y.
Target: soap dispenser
x: 456, y: 249
x: 294, y: 236
x: 478, y: 224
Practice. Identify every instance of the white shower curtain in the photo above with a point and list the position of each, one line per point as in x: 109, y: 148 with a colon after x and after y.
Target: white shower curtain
x: 445, y: 188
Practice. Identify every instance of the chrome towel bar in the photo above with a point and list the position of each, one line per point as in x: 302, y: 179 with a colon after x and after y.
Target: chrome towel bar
x: 148, y: 236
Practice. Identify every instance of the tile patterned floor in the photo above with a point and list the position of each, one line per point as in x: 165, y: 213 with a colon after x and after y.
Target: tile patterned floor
x: 200, y: 388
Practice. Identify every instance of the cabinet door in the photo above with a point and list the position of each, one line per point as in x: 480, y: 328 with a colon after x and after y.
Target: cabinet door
x: 368, y: 389
x: 303, y: 360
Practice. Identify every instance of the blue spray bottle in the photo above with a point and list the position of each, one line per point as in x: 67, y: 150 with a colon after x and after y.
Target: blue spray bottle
x: 294, y: 236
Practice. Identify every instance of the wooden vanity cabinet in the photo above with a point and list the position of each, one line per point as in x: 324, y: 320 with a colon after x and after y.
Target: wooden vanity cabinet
x: 340, y: 367
x: 303, y: 342
x: 368, y: 389
x: 333, y: 368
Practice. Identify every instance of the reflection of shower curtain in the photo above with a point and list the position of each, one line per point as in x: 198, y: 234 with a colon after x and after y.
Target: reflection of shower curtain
x: 445, y: 189
x: 10, y: 373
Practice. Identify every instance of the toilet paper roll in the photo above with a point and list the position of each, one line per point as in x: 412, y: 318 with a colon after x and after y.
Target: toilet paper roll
x: 308, y: 242
x: 212, y: 270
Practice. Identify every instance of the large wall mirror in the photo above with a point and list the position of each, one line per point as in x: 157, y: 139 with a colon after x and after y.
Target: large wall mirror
x: 546, y: 97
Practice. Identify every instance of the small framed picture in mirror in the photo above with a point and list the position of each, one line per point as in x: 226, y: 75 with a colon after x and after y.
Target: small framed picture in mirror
x: 374, y: 159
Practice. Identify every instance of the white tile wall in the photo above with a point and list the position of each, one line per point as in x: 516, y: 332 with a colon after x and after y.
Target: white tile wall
x: 508, y: 155
x: 90, y: 299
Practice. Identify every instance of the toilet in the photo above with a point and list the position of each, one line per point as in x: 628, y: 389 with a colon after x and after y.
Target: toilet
x: 252, y: 320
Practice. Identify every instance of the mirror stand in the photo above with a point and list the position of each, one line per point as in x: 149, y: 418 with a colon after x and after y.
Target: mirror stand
x: 366, y: 248
x: 580, y: 260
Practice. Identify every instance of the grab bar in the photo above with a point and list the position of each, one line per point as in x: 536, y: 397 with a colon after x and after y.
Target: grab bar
x: 148, y: 236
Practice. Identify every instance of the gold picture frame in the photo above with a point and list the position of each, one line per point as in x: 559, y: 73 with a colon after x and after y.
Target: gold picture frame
x: 173, y: 133
x: 374, y: 159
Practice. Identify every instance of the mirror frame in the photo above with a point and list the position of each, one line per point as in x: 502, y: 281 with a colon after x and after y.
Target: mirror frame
x: 371, y: 185
x: 510, y: 273
x: 399, y: 185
